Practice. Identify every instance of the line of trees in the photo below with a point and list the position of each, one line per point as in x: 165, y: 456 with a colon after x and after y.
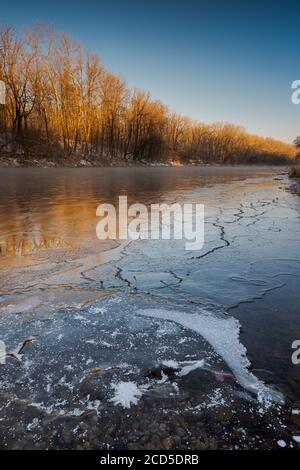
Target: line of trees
x: 62, y: 102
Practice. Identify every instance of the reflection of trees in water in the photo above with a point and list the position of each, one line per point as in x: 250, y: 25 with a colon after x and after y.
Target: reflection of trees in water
x: 20, y: 245
x: 43, y: 208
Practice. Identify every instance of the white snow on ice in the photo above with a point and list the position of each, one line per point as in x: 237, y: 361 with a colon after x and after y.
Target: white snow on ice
x: 34, y: 424
x: 223, y: 335
x: 215, y: 400
x: 171, y: 363
x: 184, y: 367
x: 189, y: 366
x: 95, y: 310
x: 126, y: 394
x: 281, y: 443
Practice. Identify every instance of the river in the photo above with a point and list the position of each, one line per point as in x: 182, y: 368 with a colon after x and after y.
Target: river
x: 144, y: 344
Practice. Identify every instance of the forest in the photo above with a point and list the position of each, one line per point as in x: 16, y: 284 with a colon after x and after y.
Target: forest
x: 62, y: 103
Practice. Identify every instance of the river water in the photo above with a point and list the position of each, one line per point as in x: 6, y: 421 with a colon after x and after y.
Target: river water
x: 143, y: 344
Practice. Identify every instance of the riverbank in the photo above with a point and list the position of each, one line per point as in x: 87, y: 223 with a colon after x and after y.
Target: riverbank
x: 97, y: 162
x: 62, y: 162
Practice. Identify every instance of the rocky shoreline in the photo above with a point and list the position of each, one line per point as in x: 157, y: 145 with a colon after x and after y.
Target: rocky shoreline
x: 96, y: 162
x: 160, y: 420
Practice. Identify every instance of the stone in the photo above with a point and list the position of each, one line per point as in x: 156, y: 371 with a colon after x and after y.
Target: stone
x: 168, y: 443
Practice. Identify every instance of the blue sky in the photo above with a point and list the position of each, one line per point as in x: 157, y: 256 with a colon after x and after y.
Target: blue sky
x: 212, y: 60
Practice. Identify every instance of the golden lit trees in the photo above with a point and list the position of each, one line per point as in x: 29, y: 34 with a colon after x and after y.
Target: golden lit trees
x: 61, y: 100
x: 16, y: 70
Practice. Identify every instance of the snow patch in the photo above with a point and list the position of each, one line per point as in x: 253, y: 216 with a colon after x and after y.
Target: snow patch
x: 223, y: 335
x: 215, y: 400
x: 33, y: 425
x: 184, y: 367
x: 126, y: 394
x: 96, y: 310
x: 76, y: 412
x: 281, y: 443
x: 94, y: 406
x: 171, y: 363
x: 189, y: 366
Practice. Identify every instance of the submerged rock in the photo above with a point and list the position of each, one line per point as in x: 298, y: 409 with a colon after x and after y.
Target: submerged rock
x: 294, y: 172
x: 162, y: 370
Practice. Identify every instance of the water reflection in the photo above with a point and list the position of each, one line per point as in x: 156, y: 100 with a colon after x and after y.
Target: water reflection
x: 41, y: 208
x: 21, y: 245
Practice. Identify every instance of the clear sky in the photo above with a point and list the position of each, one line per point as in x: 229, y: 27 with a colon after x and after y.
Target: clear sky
x: 213, y: 60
